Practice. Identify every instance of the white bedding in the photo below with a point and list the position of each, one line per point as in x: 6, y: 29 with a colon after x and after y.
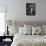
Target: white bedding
x: 29, y: 40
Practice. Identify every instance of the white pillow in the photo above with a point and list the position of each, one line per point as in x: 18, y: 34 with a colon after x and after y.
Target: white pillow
x: 42, y: 30
x: 24, y: 30
x: 36, y: 30
x: 21, y: 30
x: 28, y: 31
x: 28, y: 26
x: 13, y: 30
x: 44, y: 27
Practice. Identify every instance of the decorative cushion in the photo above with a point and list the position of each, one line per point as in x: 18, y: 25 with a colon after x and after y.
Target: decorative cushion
x: 36, y: 30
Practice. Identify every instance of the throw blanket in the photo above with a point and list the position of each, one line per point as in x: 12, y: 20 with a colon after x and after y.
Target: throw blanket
x: 29, y: 40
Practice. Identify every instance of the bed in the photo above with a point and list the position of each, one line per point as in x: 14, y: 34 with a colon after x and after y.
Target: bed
x: 29, y: 40
x: 21, y: 39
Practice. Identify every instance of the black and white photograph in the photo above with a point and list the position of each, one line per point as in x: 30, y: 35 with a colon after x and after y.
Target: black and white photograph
x: 30, y: 9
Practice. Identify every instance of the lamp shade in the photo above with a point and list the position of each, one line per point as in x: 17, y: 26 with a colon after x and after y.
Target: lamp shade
x: 9, y: 22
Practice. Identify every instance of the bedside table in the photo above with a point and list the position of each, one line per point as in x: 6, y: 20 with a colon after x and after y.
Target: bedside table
x: 7, y: 43
x: 11, y: 37
x: 4, y: 37
x: 4, y: 41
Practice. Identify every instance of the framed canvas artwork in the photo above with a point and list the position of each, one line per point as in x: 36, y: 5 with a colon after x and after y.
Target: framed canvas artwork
x: 30, y: 9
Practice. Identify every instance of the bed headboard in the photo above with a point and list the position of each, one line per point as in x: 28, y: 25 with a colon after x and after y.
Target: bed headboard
x: 21, y: 23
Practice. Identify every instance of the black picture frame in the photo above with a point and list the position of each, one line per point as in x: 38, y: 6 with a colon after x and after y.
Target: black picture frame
x: 30, y: 9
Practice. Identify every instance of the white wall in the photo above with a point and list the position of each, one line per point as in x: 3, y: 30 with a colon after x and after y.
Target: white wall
x: 17, y: 10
